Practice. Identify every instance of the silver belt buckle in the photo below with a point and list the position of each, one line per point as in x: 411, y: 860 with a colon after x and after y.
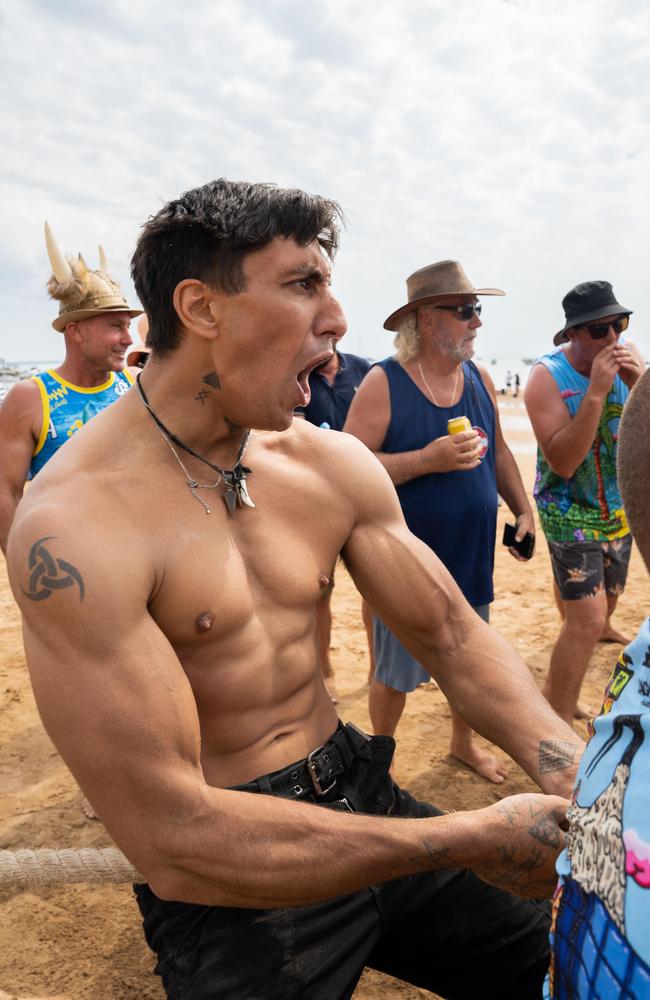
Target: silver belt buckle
x: 313, y: 774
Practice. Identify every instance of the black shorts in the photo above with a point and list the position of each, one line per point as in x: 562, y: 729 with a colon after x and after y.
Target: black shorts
x: 584, y: 569
x: 445, y: 931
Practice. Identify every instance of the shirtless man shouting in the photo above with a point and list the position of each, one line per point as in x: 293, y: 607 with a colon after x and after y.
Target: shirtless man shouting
x: 187, y: 699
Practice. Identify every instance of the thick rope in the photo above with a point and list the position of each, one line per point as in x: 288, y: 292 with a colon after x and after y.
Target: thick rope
x: 37, y: 869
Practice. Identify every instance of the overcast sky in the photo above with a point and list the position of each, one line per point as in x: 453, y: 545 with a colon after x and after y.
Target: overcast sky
x: 512, y: 135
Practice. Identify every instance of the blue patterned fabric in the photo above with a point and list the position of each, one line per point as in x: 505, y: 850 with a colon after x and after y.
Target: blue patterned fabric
x: 601, y: 926
x: 592, y: 959
x: 67, y: 407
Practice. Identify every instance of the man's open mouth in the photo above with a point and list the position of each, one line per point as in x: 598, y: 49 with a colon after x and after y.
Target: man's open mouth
x: 302, y: 378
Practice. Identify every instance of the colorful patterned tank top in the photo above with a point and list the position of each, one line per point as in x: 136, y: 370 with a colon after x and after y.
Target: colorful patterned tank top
x: 67, y: 407
x: 588, y: 506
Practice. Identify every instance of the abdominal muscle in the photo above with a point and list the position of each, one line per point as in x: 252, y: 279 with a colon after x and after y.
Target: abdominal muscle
x: 262, y: 704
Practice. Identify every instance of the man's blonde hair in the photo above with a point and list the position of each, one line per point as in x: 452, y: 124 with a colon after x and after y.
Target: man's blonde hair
x: 633, y: 463
x: 407, y: 338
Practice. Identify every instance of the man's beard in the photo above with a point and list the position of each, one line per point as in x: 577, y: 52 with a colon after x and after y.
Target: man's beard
x: 453, y: 349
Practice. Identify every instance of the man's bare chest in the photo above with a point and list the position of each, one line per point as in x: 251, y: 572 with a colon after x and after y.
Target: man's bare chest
x: 218, y: 573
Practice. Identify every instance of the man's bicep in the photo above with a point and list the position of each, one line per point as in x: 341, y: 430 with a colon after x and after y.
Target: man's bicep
x: 120, y: 700
x: 413, y: 593
x: 401, y: 578
x: 17, y: 418
x: 547, y: 411
x: 109, y: 687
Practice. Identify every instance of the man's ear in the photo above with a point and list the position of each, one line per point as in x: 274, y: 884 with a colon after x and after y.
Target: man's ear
x: 74, y: 331
x: 422, y: 319
x: 192, y: 299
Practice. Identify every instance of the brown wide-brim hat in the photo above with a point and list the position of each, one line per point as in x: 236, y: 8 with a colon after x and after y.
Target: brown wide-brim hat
x: 72, y: 315
x: 436, y: 281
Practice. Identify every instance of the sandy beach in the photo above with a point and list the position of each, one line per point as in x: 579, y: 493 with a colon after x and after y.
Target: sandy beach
x: 85, y: 943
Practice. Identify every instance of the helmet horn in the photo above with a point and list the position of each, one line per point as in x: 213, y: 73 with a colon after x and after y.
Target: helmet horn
x: 60, y: 267
x: 103, y: 263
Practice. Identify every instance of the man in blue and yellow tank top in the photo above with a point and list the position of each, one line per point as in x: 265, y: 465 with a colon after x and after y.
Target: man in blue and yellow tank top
x: 42, y: 413
x: 575, y: 396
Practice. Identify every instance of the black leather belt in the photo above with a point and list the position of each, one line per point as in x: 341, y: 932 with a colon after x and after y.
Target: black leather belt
x: 316, y: 774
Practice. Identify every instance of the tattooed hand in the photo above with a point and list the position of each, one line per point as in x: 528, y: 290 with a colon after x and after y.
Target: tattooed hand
x: 523, y: 836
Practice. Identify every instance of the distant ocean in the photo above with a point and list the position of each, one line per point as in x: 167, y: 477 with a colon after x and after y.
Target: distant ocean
x: 498, y: 367
x: 12, y: 371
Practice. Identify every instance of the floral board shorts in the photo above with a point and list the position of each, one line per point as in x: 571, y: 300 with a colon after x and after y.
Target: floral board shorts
x: 584, y: 569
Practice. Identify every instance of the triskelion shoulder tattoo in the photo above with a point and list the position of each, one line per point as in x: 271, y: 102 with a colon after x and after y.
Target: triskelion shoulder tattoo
x: 47, y: 573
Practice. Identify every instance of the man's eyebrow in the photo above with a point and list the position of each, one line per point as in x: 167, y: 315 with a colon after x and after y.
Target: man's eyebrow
x: 312, y: 271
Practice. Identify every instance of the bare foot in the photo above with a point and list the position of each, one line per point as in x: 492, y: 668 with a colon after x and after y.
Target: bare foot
x: 483, y: 763
x: 611, y: 634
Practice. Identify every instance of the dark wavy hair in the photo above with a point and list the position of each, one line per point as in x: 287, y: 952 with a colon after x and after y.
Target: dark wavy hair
x: 207, y: 233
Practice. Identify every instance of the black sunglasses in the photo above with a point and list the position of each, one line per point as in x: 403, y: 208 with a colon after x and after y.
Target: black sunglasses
x: 599, y: 330
x: 465, y: 312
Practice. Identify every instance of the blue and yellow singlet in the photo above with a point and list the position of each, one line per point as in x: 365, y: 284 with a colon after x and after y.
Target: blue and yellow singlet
x: 67, y: 407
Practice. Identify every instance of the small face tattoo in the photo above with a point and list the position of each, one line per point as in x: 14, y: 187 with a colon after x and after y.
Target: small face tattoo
x: 213, y: 380
x: 204, y: 622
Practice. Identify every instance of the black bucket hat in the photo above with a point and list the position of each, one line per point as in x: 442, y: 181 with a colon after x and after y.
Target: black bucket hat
x: 588, y: 301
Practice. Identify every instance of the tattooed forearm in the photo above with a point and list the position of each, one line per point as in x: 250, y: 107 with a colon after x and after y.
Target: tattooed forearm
x: 524, y: 875
x: 555, y: 755
x: 47, y: 573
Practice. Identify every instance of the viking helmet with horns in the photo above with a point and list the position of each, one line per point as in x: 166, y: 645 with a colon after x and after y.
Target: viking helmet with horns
x: 82, y: 292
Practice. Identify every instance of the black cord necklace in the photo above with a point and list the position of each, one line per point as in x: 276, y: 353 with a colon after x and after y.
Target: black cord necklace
x: 234, y: 479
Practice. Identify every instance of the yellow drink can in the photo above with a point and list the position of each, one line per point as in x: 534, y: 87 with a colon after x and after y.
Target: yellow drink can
x: 458, y: 424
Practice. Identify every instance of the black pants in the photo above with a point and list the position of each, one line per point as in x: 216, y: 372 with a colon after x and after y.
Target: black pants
x: 445, y: 931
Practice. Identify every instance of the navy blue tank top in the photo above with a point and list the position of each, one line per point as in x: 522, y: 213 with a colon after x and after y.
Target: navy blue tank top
x: 454, y: 513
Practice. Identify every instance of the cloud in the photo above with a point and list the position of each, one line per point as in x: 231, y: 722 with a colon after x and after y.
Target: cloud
x: 510, y: 135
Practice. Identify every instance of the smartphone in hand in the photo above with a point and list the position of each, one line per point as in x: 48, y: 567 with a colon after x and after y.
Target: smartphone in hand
x: 525, y: 547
